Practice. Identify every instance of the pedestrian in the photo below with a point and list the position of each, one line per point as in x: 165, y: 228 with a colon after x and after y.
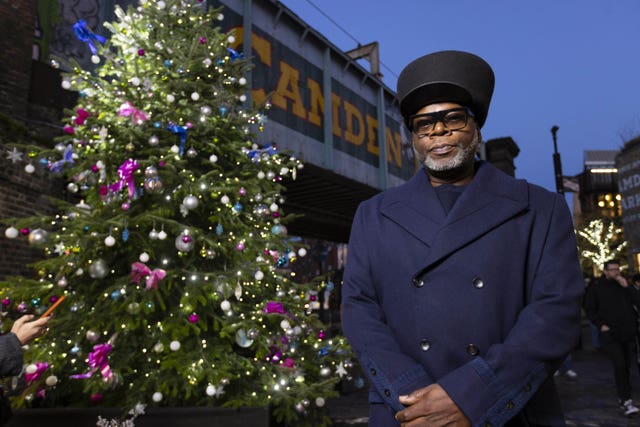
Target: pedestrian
x: 595, y: 333
x: 609, y: 306
x: 635, y: 282
x: 462, y: 286
x: 566, y: 368
x: 23, y: 332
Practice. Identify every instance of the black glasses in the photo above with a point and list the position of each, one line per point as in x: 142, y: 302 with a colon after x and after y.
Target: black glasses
x: 454, y: 119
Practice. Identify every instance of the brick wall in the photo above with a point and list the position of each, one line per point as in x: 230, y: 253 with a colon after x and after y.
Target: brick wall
x: 16, y: 40
x: 21, y: 195
x: 21, y: 122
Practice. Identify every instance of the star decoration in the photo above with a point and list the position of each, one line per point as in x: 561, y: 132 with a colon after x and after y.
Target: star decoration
x: 60, y: 249
x: 14, y: 155
x: 341, y: 371
x: 219, y: 391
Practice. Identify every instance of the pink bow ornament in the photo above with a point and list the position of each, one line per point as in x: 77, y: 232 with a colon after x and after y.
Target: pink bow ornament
x: 32, y: 376
x: 125, y: 173
x: 137, y: 116
x: 140, y: 270
x: 98, y: 361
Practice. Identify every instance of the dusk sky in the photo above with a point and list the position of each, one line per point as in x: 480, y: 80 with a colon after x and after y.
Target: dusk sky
x: 570, y: 63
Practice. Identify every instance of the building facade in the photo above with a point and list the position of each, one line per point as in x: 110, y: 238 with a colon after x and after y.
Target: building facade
x: 628, y: 166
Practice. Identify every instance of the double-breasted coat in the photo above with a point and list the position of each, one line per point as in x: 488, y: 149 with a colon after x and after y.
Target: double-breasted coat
x: 484, y: 300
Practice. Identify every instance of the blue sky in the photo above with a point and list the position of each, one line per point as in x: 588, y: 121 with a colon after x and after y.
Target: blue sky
x: 570, y: 63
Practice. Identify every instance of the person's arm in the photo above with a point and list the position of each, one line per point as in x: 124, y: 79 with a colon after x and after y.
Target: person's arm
x: 493, y: 388
x: 10, y: 355
x: 591, y: 306
x: 391, y: 372
x: 23, y: 331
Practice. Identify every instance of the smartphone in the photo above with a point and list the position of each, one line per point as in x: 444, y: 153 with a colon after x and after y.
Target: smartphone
x: 53, y: 307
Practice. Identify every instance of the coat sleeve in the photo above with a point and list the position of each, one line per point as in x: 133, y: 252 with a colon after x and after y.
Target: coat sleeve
x: 493, y: 388
x: 391, y: 372
x: 10, y: 355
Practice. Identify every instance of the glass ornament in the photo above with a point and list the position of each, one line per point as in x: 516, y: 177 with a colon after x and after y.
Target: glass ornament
x: 98, y: 269
x: 38, y: 236
x: 11, y: 233
x: 242, y: 339
x: 184, y: 242
x: 92, y: 336
x: 190, y: 202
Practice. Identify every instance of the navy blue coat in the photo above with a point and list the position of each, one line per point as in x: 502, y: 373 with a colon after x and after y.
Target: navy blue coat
x: 484, y: 300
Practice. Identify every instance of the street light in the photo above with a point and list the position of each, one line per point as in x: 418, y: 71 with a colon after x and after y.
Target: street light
x: 557, y: 164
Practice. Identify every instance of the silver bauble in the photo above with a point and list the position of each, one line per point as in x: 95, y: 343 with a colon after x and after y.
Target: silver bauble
x: 184, y: 242
x: 98, y: 269
x: 190, y: 202
x: 38, y: 236
x: 253, y: 333
x: 242, y: 339
x: 261, y: 210
x: 192, y: 153
x: 150, y: 172
x: 92, y: 335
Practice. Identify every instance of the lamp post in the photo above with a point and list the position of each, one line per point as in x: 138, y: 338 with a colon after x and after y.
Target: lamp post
x: 557, y: 164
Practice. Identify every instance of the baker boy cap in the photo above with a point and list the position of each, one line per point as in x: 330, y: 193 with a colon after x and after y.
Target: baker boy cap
x: 446, y: 76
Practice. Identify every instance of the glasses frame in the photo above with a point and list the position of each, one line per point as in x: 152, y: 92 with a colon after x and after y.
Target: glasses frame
x: 440, y: 117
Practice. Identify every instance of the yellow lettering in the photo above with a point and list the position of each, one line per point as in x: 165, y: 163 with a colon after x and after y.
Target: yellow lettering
x: 262, y: 47
x: 316, y: 100
x: 353, y: 117
x: 289, y: 88
x: 335, y: 109
x: 394, y: 147
x: 372, y: 127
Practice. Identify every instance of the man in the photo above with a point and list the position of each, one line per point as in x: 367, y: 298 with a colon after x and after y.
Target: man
x: 609, y: 306
x: 462, y: 287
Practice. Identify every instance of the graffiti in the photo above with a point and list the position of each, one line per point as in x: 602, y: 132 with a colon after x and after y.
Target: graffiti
x: 54, y: 36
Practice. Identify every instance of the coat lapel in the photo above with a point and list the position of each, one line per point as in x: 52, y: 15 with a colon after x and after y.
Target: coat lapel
x: 415, y: 207
x: 491, y: 199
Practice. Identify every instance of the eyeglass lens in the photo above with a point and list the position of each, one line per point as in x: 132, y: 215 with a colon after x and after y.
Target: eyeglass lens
x: 453, y: 119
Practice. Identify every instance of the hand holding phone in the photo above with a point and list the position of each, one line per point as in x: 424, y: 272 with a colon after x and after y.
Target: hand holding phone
x: 53, y: 307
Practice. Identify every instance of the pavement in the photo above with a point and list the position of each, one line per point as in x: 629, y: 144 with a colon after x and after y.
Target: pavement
x: 588, y: 400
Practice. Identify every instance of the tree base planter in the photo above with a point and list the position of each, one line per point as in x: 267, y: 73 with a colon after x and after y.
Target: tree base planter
x: 154, y: 417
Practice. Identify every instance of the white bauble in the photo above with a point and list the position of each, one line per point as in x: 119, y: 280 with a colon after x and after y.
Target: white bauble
x: 11, y: 233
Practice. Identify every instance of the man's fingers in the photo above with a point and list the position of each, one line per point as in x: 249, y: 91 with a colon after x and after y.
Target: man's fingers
x: 414, y: 396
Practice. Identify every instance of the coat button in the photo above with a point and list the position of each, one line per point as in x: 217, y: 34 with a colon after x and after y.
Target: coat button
x: 478, y: 283
x: 373, y: 371
x: 527, y: 387
x: 417, y: 282
x: 488, y: 424
x: 387, y: 393
x: 473, y: 350
x: 510, y: 405
x: 425, y: 345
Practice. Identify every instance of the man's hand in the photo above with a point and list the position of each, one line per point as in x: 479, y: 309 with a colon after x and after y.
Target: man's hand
x: 431, y: 406
x: 622, y: 281
x: 27, y: 331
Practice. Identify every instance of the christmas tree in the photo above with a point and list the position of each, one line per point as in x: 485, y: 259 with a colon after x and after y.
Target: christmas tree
x: 171, y: 255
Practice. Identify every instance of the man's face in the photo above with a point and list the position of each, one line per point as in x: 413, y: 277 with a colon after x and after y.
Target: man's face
x: 612, y: 271
x: 444, y: 149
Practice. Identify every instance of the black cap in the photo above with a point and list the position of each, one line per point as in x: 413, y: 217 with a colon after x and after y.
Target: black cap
x: 447, y: 76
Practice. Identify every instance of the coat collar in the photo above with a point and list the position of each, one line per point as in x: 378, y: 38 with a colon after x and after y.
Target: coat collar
x: 490, y: 199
